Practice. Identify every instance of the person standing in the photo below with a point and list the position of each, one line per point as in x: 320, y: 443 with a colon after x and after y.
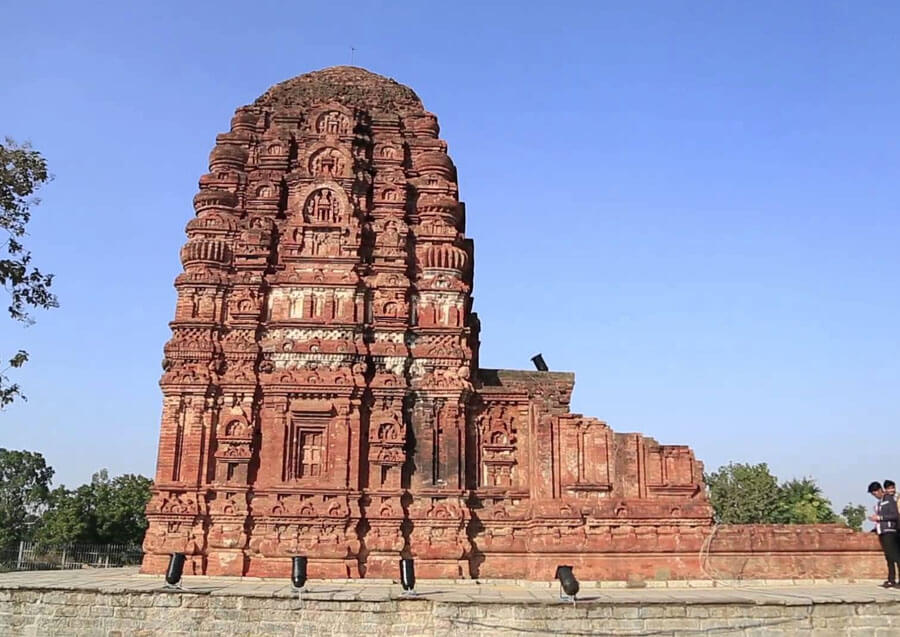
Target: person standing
x: 885, y: 518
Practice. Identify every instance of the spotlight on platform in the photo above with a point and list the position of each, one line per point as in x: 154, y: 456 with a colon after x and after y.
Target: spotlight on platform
x: 567, y: 583
x: 407, y: 576
x: 539, y: 363
x: 176, y: 568
x: 298, y: 574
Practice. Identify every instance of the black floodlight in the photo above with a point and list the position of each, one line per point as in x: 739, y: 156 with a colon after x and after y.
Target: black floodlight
x: 407, y: 575
x: 176, y: 568
x: 567, y: 583
x: 539, y: 363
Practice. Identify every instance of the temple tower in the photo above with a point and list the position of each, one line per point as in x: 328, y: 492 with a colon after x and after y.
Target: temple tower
x: 322, y: 352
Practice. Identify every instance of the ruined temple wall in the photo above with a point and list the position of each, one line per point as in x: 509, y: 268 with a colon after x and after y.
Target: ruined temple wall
x: 628, y: 550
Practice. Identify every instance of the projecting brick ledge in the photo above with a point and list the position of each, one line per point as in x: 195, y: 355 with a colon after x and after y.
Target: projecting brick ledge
x: 118, y: 602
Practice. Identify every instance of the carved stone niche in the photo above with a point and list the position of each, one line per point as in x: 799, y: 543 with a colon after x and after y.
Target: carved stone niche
x: 387, y: 437
x: 329, y: 162
x: 324, y: 207
x: 306, y: 447
x: 389, y: 152
x: 244, y: 303
x: 497, y: 433
x: 390, y: 306
x: 390, y: 239
x: 318, y: 243
x: 264, y: 197
x: 273, y: 153
x: 332, y: 122
x: 233, y: 450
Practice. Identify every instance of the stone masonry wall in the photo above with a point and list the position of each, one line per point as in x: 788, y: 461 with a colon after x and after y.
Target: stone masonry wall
x: 61, y: 612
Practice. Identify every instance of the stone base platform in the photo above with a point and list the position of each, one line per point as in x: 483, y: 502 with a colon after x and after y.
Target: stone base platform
x: 119, y: 602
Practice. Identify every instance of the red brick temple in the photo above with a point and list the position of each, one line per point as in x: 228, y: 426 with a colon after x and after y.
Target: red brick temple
x: 322, y: 393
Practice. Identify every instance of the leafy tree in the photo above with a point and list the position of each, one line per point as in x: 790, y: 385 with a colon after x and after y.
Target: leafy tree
x: 119, y: 507
x: 854, y: 516
x: 801, y: 502
x: 22, y: 172
x: 750, y: 494
x: 743, y: 494
x: 102, y: 512
x: 66, y: 520
x: 24, y: 494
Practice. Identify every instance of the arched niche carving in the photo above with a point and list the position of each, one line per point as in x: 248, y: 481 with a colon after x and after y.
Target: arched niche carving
x: 390, y: 432
x: 390, y: 152
x: 323, y: 206
x: 498, y: 428
x: 333, y: 122
x: 266, y: 190
x: 499, y: 437
x: 237, y: 427
x: 259, y: 223
x: 329, y: 162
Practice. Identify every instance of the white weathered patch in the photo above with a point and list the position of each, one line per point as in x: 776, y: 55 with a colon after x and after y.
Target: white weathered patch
x: 310, y: 333
x: 393, y: 364
x: 389, y: 337
x: 303, y: 360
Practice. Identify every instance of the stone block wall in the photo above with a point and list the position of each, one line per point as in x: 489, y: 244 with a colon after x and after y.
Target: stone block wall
x: 62, y: 612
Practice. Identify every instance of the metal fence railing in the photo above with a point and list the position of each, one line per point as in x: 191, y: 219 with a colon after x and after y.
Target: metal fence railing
x: 29, y: 556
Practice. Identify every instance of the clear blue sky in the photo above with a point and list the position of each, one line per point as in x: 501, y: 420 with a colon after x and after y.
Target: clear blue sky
x: 693, y: 205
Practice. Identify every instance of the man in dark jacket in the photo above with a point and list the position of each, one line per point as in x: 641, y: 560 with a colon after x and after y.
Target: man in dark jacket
x: 886, y: 518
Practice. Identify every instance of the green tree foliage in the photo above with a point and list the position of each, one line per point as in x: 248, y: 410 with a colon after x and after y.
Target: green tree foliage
x: 22, y: 172
x: 67, y: 518
x: 119, y: 507
x: 854, y: 516
x: 743, y: 494
x: 750, y: 494
x: 105, y: 511
x: 24, y: 494
x: 801, y: 502
x: 102, y: 512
